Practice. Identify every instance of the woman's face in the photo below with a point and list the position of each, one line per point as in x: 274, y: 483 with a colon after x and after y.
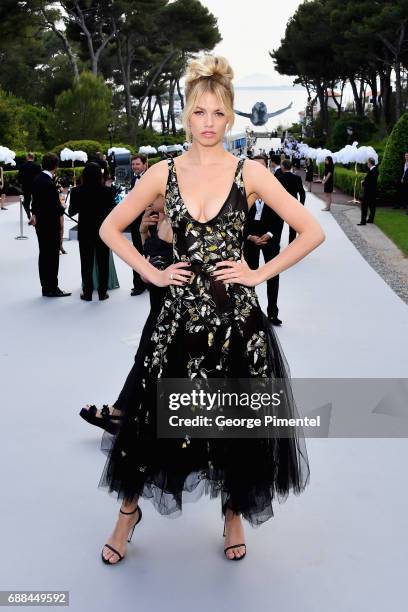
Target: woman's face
x: 208, y: 120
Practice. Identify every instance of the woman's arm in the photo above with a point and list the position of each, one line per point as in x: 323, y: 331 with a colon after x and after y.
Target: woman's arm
x: 146, y: 190
x: 258, y: 179
x: 73, y: 208
x: 147, y: 221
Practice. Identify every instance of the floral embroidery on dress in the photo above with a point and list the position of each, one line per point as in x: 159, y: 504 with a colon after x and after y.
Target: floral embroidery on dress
x: 205, y: 305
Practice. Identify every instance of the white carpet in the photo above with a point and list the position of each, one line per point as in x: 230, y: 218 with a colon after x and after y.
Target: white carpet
x: 340, y: 546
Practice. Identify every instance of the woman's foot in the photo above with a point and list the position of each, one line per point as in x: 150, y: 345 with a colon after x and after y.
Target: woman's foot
x: 234, y: 534
x: 98, y: 412
x: 118, y: 539
x: 108, y: 418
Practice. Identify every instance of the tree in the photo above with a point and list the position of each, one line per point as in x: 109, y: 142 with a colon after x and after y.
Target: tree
x: 310, y: 57
x: 90, y: 22
x: 84, y: 110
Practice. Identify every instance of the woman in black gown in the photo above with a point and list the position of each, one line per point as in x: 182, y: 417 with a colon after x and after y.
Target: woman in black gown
x: 309, y: 173
x: 210, y: 326
x: 156, y: 238
x: 92, y: 201
x: 328, y: 181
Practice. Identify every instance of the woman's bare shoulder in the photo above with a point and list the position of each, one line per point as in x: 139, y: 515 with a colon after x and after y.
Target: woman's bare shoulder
x: 158, y: 173
x: 251, y: 170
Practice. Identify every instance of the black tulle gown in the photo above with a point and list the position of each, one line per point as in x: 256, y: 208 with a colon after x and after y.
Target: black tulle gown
x: 203, y: 329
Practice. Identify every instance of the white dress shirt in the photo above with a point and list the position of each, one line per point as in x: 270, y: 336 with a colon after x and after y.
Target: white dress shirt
x: 259, y: 208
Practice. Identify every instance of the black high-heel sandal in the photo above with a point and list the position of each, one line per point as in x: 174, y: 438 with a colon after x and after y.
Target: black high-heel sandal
x: 139, y: 518
x: 106, y: 421
x: 233, y: 546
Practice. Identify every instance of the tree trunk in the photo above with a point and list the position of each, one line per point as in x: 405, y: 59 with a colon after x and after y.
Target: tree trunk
x: 385, y: 83
x: 65, y: 42
x: 398, y: 97
x: 125, y: 66
x: 357, y: 99
x: 321, y: 91
x: 372, y: 81
x: 148, y: 111
x: 337, y: 103
x: 159, y: 102
x: 180, y: 94
x: 152, y: 114
x: 78, y: 16
x: 152, y: 81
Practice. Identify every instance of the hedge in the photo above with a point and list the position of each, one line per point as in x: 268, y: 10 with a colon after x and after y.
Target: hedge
x: 393, y: 160
x: 90, y: 147
x: 10, y: 176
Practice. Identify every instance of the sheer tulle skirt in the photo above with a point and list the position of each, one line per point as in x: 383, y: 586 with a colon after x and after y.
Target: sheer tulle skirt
x: 248, y: 475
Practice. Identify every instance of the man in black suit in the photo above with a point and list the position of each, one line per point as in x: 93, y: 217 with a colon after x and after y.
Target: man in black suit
x: 293, y: 185
x: 368, y: 201
x: 139, y: 165
x: 275, y: 165
x: 262, y: 231
x: 403, y: 186
x: 26, y: 175
x: 46, y: 212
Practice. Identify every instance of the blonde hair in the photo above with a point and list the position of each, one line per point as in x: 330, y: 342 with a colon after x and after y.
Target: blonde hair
x: 210, y: 73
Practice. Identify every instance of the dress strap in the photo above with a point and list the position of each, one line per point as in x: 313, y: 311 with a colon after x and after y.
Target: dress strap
x: 238, y: 175
x: 171, y: 179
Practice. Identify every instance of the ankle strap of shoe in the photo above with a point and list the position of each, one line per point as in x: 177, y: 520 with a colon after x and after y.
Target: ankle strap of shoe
x: 132, y: 512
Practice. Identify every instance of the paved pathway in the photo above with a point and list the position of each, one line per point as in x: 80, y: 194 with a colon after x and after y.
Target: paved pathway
x: 340, y: 546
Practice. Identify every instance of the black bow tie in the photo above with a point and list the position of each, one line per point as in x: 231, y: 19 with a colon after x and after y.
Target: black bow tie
x: 137, y: 176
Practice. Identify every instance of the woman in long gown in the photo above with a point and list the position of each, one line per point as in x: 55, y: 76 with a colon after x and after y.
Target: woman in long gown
x: 328, y: 181
x: 210, y: 326
x: 157, y: 238
x: 92, y: 201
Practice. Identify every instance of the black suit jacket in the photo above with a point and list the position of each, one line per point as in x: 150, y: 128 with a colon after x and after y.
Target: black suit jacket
x: 26, y: 175
x: 135, y: 225
x: 270, y: 221
x: 45, y: 203
x: 405, y: 176
x: 92, y: 207
x: 293, y: 185
x: 370, y: 184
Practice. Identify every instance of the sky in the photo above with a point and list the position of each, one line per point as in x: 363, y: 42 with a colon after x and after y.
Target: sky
x: 249, y: 32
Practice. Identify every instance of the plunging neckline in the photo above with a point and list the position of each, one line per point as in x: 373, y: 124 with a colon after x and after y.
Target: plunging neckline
x: 222, y: 207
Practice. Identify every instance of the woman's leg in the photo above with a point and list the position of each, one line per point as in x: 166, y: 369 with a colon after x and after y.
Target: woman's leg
x: 102, y: 259
x: 234, y: 534
x: 86, y: 252
x: 120, y: 533
x: 326, y: 197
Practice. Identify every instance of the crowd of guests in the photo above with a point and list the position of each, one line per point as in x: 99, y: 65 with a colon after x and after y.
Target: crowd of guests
x: 94, y: 198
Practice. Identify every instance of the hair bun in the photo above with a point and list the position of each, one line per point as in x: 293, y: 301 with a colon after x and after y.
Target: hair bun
x: 209, y: 66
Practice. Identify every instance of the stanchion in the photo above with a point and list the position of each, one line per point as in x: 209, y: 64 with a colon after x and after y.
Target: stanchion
x: 21, y: 236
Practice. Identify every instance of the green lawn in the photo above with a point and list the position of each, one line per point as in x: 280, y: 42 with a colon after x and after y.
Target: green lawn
x: 394, y: 223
